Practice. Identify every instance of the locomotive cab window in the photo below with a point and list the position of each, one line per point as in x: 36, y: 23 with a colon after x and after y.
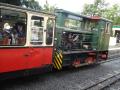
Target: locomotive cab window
x: 37, y: 30
x: 72, y: 23
x: 49, y: 31
x: 12, y: 28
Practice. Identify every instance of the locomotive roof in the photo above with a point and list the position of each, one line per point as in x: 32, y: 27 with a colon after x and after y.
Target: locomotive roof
x: 68, y: 12
x: 24, y: 9
x: 84, y: 16
x: 98, y: 18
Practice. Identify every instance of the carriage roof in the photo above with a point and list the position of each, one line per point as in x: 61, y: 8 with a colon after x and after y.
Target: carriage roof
x: 7, y: 6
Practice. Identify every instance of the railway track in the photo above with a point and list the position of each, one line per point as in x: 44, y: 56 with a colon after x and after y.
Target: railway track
x: 114, y: 86
x: 110, y: 59
x: 105, y: 82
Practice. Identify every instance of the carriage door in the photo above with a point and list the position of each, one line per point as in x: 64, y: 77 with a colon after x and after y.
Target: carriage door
x: 36, y: 35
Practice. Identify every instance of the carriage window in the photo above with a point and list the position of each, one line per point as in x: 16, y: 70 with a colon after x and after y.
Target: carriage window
x: 49, y: 32
x: 12, y: 28
x: 37, y: 30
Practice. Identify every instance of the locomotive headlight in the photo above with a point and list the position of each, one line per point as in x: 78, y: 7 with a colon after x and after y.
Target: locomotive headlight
x: 55, y: 49
x: 64, y: 32
x: 55, y: 39
x: 95, y: 29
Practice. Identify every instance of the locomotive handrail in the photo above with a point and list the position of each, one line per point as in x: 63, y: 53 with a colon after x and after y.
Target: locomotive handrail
x: 73, y: 30
x: 80, y: 51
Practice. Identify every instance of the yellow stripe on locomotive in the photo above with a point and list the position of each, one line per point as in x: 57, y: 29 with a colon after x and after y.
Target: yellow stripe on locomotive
x: 57, y: 63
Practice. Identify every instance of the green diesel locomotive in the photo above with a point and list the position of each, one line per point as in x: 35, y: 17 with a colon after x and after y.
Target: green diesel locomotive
x: 80, y: 40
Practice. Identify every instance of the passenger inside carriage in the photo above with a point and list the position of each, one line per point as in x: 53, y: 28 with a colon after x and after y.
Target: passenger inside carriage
x: 12, y: 28
x: 14, y: 35
x: 20, y: 33
x: 6, y: 34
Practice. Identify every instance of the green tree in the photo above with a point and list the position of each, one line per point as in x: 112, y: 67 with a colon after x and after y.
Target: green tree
x: 97, y: 8
x: 13, y: 2
x: 48, y: 8
x: 32, y: 4
x: 113, y: 14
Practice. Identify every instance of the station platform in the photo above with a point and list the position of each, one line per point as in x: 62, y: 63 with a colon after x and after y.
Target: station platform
x: 115, y: 47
